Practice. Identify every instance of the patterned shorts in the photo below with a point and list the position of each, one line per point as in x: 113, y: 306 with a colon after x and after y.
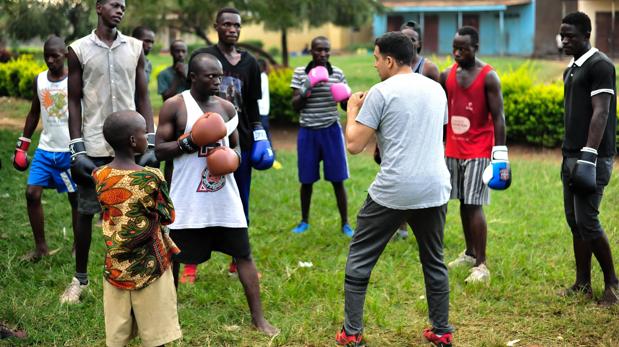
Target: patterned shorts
x: 466, y: 180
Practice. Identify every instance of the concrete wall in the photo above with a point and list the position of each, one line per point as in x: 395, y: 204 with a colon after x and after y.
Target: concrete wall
x: 590, y: 7
x: 518, y: 33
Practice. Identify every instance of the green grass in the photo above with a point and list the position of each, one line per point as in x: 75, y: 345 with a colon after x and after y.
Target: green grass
x: 529, y: 255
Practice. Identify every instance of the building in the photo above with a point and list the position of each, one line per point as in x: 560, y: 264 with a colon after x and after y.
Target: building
x: 604, y: 22
x: 505, y: 27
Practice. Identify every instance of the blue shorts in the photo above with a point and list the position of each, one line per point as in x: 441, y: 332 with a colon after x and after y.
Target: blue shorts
x: 51, y: 170
x: 326, y: 144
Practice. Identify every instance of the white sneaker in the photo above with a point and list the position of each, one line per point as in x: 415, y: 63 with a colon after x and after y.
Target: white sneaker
x: 73, y: 292
x: 478, y: 274
x: 462, y: 260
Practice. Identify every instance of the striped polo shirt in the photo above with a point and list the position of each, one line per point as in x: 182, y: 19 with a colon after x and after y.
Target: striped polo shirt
x: 320, y: 110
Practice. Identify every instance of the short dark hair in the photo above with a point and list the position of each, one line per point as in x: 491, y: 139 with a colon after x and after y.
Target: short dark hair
x: 470, y: 31
x: 194, y: 62
x: 175, y: 42
x: 318, y: 38
x: 226, y: 10
x: 139, y: 31
x: 55, y: 42
x: 411, y: 24
x: 119, y: 126
x: 396, y: 45
x: 580, y: 20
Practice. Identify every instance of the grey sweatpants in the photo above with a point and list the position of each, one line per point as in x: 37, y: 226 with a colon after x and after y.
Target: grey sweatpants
x: 375, y: 227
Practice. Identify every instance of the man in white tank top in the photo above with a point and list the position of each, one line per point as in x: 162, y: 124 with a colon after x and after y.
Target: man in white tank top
x: 209, y: 211
x: 52, y: 160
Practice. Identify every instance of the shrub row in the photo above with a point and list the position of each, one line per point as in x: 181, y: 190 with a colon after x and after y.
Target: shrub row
x: 16, y: 76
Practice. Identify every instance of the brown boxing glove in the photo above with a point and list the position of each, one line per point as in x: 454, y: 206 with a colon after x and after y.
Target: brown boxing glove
x: 208, y: 129
x: 222, y: 160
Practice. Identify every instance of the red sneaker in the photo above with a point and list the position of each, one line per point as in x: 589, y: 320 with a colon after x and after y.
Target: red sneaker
x: 189, y: 273
x: 443, y: 340
x: 349, y: 341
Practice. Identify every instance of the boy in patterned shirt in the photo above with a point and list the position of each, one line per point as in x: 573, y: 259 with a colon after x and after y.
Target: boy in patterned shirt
x: 138, y: 292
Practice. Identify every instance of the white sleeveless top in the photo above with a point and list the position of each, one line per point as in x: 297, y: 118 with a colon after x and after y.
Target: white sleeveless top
x: 200, y: 199
x: 54, y: 114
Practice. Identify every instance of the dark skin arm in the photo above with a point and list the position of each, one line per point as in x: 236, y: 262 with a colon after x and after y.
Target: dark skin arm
x: 34, y: 114
x: 601, y: 105
x: 166, y: 147
x: 75, y: 95
x: 430, y: 70
x: 443, y: 78
x: 298, y: 102
x: 172, y: 118
x: 141, y: 91
x: 494, y: 99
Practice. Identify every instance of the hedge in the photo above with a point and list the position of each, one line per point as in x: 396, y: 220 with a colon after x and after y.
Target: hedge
x: 16, y: 76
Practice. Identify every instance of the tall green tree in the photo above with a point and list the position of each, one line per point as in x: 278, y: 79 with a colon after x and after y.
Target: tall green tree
x: 283, y: 15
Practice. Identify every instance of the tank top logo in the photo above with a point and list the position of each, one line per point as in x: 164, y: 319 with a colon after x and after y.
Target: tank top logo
x: 210, y: 183
x: 460, y: 124
x: 54, y: 101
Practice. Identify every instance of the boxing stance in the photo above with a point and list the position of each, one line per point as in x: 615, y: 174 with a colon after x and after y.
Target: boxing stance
x: 318, y: 88
x: 197, y: 130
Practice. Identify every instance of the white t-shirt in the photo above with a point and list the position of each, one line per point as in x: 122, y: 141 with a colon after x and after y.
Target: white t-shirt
x: 408, y: 112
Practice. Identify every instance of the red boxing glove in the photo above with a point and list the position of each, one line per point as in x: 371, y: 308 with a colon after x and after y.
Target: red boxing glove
x: 20, y: 157
x: 222, y: 160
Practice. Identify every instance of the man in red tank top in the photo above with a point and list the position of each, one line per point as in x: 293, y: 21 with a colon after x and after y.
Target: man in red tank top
x: 476, y: 128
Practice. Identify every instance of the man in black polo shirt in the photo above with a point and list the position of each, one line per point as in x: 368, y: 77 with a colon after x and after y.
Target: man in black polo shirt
x: 588, y: 151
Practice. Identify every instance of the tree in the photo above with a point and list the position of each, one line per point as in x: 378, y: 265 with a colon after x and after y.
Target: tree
x: 296, y: 13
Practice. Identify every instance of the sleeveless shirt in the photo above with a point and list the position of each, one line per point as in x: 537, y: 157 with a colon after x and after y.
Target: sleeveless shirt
x: 470, y: 130
x: 200, y: 199
x: 54, y: 114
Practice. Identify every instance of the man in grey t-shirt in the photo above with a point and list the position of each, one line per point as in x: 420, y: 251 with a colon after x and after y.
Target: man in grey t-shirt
x: 406, y: 112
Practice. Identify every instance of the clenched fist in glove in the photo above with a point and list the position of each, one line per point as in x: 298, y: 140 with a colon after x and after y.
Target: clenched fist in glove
x: 20, y: 157
x: 81, y: 165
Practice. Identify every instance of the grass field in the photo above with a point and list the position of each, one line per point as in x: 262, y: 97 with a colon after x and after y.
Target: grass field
x: 529, y: 255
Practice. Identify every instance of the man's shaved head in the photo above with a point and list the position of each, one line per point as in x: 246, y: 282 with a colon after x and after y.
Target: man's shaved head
x: 120, y: 126
x: 199, y: 60
x: 54, y: 42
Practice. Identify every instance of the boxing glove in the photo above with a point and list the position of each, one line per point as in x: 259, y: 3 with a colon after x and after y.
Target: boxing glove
x: 498, y: 175
x: 81, y: 165
x: 20, y: 157
x: 340, y: 92
x: 582, y: 179
x: 222, y: 160
x: 377, y: 157
x: 319, y: 74
x: 208, y: 129
x: 262, y: 156
x: 148, y: 158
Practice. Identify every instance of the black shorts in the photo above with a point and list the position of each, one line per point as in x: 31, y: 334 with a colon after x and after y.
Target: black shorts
x: 196, y: 245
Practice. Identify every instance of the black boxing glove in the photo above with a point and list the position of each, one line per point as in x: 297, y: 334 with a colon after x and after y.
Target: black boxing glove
x: 81, y: 164
x: 582, y: 179
x: 148, y: 158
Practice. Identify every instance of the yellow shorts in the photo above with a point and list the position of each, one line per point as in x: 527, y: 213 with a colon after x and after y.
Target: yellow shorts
x: 149, y: 312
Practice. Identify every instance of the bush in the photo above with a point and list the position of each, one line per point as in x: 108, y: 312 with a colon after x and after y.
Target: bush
x: 533, y: 112
x: 281, y: 95
x: 16, y: 76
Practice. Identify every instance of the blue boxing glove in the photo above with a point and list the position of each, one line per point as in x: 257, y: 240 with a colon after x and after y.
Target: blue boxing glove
x: 498, y: 175
x: 262, y: 156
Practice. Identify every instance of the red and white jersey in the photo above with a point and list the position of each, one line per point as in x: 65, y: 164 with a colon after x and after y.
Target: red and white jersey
x: 470, y: 129
x: 200, y: 199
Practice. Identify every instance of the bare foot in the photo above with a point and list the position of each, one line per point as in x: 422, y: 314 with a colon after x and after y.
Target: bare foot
x: 266, y: 328
x: 36, y: 255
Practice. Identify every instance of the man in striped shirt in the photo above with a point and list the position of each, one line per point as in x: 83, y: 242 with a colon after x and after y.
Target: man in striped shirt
x: 320, y: 137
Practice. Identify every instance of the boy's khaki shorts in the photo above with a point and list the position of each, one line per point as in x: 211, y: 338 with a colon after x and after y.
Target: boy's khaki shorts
x: 149, y: 312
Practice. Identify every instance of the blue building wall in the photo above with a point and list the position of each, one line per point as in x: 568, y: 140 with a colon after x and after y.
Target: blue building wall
x: 518, y: 27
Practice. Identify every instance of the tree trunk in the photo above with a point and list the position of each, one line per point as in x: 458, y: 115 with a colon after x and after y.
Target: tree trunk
x: 285, y: 47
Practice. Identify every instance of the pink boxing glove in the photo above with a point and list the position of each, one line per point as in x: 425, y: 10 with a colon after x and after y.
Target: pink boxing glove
x: 340, y: 91
x: 317, y: 75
